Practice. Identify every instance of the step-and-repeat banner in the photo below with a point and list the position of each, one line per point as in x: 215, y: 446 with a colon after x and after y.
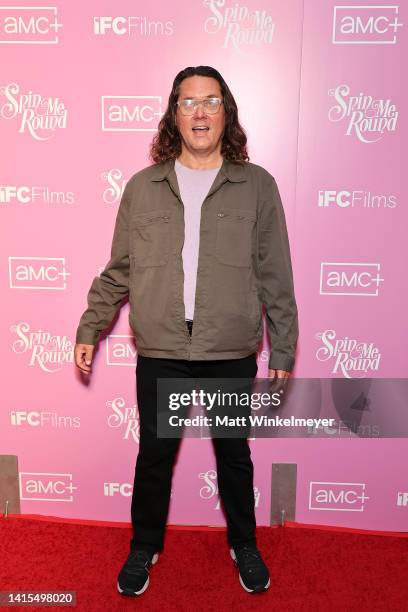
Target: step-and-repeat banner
x: 321, y: 90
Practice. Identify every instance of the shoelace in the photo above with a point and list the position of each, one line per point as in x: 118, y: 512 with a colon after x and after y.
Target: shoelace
x: 140, y: 562
x: 249, y: 557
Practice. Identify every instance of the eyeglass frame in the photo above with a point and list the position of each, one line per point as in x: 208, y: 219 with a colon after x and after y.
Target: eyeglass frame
x: 196, y: 102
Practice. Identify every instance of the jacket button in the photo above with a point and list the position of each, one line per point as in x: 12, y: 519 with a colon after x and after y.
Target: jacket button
x: 221, y: 215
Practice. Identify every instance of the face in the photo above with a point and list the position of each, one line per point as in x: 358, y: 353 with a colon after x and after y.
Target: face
x: 200, y: 141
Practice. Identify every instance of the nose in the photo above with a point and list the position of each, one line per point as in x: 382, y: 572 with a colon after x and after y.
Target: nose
x: 199, y: 110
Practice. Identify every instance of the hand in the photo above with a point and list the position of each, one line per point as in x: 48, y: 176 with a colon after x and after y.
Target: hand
x: 278, y: 380
x: 83, y: 354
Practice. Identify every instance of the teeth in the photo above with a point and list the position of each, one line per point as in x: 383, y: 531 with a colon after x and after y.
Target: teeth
x: 200, y: 128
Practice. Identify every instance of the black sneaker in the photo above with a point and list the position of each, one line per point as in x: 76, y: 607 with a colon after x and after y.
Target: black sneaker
x: 133, y: 578
x: 253, y: 573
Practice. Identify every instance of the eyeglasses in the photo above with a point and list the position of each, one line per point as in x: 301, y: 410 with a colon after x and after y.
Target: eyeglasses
x: 210, y: 105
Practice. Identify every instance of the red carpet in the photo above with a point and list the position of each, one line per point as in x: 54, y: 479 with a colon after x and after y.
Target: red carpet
x: 311, y: 569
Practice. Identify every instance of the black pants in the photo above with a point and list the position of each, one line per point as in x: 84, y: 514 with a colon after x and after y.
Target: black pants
x: 155, y: 460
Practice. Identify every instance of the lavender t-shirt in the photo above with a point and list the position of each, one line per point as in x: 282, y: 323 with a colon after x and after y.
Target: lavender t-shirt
x: 194, y: 185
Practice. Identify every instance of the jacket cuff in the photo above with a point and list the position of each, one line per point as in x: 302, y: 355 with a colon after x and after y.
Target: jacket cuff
x: 281, y: 362
x: 87, y: 336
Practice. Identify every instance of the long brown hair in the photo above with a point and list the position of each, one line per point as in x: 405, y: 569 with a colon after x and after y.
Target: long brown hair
x: 166, y: 143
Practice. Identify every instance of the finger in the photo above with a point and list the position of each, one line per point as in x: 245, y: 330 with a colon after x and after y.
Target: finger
x: 88, y: 356
x: 84, y: 368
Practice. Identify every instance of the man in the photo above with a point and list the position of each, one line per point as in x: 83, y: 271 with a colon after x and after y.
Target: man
x: 200, y: 244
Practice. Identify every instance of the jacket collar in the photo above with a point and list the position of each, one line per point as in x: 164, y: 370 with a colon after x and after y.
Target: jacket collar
x: 229, y: 171
x: 232, y: 171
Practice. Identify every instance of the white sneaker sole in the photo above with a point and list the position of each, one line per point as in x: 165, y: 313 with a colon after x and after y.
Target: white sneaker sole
x: 234, y: 558
x: 144, y: 587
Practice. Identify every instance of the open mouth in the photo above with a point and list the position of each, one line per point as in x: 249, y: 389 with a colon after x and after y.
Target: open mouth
x: 200, y: 128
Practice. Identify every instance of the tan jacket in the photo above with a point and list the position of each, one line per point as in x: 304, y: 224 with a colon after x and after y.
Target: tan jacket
x: 244, y: 262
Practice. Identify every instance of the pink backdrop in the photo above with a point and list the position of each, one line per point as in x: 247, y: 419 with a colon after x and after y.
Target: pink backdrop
x: 321, y: 95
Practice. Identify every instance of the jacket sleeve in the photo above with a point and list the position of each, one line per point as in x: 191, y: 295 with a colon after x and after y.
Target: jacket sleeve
x: 112, y: 285
x: 276, y: 276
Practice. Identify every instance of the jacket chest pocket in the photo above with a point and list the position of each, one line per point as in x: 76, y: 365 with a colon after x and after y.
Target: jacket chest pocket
x: 150, y: 238
x: 234, y: 237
